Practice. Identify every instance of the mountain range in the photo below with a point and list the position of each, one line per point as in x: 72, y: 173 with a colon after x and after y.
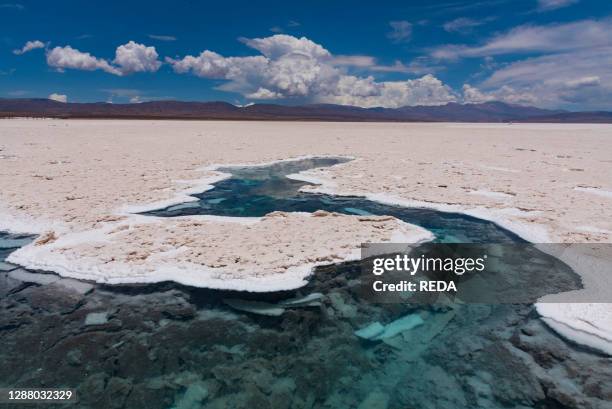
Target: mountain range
x: 451, y: 112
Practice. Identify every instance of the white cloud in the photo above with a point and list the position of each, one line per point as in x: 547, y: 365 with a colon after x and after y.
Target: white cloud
x: 29, y: 46
x: 263, y: 93
x: 591, y: 81
x: 573, y: 80
x: 547, y: 5
x: 580, y: 79
x: 401, y: 31
x: 397, y: 66
x: 291, y: 67
x: 58, y: 97
x: 463, y: 25
x: 212, y: 65
x: 68, y: 57
x: 569, y: 67
x: 161, y: 37
x: 365, y: 92
x: 528, y: 38
x: 557, y: 69
x: 360, y: 61
x: 370, y: 63
x: 473, y: 95
x: 129, y: 58
x: 280, y: 45
x: 133, y: 57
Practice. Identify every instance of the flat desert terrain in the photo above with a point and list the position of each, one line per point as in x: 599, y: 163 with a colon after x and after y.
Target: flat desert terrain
x: 78, y: 183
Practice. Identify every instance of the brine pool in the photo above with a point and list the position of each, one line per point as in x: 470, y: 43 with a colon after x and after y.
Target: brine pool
x: 257, y: 190
x: 171, y: 346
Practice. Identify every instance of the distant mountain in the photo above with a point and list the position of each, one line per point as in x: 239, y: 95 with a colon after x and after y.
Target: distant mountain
x: 485, y: 112
x: 451, y: 112
x: 596, y: 117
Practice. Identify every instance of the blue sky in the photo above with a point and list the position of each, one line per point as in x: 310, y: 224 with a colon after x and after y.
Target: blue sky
x: 550, y: 53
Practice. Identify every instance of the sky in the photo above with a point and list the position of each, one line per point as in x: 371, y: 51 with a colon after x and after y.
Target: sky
x: 546, y: 53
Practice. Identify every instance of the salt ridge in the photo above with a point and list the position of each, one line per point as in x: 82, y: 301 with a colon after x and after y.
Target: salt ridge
x: 44, y: 258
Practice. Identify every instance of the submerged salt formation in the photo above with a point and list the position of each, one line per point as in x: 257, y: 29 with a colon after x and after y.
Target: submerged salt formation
x: 378, y: 332
x: 162, y: 346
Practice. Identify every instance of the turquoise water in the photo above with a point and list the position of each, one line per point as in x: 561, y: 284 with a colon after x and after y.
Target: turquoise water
x: 169, y: 346
x: 11, y: 242
x: 256, y: 191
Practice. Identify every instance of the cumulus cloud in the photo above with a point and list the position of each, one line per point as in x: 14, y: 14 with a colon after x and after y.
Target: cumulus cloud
x: 365, y: 92
x: 209, y: 64
x: 291, y: 67
x: 547, y: 5
x: 133, y: 57
x: 281, y: 45
x: 264, y: 93
x: 62, y: 58
x: 58, y: 97
x: 401, y: 31
x: 473, y: 95
x: 29, y: 46
x: 129, y: 58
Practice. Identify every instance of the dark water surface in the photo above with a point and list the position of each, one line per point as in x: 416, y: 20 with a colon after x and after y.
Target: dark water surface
x: 256, y: 191
x: 170, y: 346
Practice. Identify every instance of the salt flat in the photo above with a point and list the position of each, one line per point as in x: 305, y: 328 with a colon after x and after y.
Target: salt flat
x: 79, y: 179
